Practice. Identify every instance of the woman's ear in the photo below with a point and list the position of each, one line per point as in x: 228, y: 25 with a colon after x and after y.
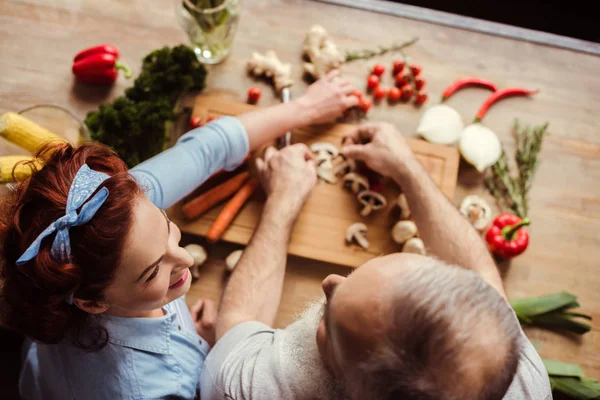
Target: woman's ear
x: 91, y: 306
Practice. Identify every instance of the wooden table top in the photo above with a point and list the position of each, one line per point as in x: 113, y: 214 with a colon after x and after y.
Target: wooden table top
x: 38, y: 42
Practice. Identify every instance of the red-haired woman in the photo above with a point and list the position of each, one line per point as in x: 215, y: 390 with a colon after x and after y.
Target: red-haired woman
x: 92, y: 270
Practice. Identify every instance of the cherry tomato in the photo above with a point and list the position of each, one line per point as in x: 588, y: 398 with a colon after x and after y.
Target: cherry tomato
x: 378, y: 69
x: 195, y: 122
x: 357, y: 93
x: 253, y: 95
x: 394, y: 94
x: 421, y: 97
x: 364, y: 105
x: 415, y: 69
x: 379, y: 93
x: 373, y: 81
x: 398, y: 66
x: 407, y: 92
x: 419, y: 83
x: 402, y: 80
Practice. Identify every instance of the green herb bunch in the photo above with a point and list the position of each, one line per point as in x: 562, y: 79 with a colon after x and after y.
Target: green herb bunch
x: 136, y: 125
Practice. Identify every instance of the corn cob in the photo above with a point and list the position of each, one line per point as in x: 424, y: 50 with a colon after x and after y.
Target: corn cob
x: 24, y: 132
x: 21, y: 171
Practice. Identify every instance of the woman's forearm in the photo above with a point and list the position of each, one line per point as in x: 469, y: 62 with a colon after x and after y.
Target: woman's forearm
x: 267, y: 124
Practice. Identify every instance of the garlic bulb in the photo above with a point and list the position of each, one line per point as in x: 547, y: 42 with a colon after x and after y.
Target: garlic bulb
x: 440, y: 124
x: 480, y: 146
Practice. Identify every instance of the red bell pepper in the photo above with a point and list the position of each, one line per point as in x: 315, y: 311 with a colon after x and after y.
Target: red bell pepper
x: 98, y: 64
x: 507, y: 238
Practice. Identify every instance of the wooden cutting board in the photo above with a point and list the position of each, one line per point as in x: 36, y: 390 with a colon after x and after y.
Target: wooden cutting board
x: 320, y: 229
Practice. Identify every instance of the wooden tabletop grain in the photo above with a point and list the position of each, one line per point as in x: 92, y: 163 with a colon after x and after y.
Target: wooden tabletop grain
x: 39, y: 39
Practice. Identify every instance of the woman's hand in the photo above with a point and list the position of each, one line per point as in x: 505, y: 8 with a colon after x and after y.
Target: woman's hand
x: 204, y: 315
x: 328, y: 98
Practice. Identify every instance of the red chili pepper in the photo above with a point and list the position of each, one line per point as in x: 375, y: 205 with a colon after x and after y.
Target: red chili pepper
x: 98, y: 65
x: 464, y: 82
x: 500, y: 94
x: 507, y: 238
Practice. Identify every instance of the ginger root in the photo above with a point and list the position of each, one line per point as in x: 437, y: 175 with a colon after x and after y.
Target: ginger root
x: 271, y: 66
x: 323, y: 53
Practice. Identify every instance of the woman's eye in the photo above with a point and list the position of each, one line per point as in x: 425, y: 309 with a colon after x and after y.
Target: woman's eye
x: 154, y: 273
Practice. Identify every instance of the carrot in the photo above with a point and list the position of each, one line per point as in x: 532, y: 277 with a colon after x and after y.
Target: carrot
x: 214, y: 196
x: 230, y: 210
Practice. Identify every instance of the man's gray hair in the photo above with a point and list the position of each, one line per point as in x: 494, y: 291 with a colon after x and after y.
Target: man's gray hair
x: 451, y: 336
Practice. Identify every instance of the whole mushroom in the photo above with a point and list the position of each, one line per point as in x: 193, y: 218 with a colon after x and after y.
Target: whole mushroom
x: 414, y: 245
x: 355, y: 182
x: 199, y: 255
x: 477, y: 211
x: 403, y: 231
x: 232, y: 259
x: 357, y: 232
x: 371, y: 201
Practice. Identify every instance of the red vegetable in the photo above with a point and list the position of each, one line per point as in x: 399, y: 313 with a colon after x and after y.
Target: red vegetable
x: 419, y: 83
x: 421, y: 97
x: 211, y: 119
x: 364, y: 105
x: 402, y: 80
x: 195, y: 122
x: 373, y: 81
x: 398, y: 66
x: 379, y: 93
x: 98, y: 65
x: 253, y: 95
x: 101, y: 49
x: 394, y: 94
x: 507, y: 238
x: 500, y: 94
x: 415, y: 69
x: 464, y: 82
x: 407, y: 93
x: 378, y: 69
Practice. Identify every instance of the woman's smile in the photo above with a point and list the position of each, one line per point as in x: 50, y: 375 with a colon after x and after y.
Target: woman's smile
x: 181, y: 280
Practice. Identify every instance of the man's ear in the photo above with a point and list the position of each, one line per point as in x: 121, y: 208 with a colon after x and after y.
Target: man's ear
x: 91, y: 306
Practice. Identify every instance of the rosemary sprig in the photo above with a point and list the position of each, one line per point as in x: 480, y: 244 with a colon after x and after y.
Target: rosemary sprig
x: 365, y: 54
x: 511, y: 190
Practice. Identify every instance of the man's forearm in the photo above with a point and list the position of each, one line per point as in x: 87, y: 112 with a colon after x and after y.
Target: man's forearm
x: 254, y: 289
x: 444, y: 231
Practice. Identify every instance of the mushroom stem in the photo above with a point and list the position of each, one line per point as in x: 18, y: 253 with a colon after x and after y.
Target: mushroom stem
x: 362, y: 241
x: 366, y: 210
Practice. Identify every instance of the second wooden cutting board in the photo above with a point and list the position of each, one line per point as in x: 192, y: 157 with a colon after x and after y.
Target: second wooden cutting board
x: 320, y: 229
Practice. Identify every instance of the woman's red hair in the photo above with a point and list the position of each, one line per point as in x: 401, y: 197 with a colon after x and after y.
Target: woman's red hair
x: 35, y: 294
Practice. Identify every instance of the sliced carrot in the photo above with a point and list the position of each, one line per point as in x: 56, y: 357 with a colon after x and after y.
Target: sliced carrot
x: 230, y: 210
x: 214, y: 196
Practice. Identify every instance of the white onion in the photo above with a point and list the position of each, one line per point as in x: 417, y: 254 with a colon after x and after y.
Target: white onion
x: 480, y: 146
x: 440, y: 124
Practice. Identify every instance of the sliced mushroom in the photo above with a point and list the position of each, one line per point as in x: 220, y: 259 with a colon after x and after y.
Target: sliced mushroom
x: 357, y: 232
x: 232, y: 259
x: 326, y: 174
x: 404, y: 230
x: 345, y: 167
x: 325, y: 148
x: 356, y: 182
x: 199, y: 255
x: 371, y: 201
x: 414, y: 245
x: 477, y: 211
x: 324, y: 160
x: 403, y: 204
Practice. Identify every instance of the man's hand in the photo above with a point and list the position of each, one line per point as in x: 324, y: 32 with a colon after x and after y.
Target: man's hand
x: 327, y: 98
x: 288, y: 177
x: 380, y: 146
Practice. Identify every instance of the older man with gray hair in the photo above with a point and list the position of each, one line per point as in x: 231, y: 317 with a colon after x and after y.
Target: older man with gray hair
x: 400, y: 327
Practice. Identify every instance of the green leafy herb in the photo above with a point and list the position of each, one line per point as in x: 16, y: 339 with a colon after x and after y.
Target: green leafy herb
x: 365, y: 54
x: 136, y: 125
x: 552, y: 312
x: 511, y: 190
